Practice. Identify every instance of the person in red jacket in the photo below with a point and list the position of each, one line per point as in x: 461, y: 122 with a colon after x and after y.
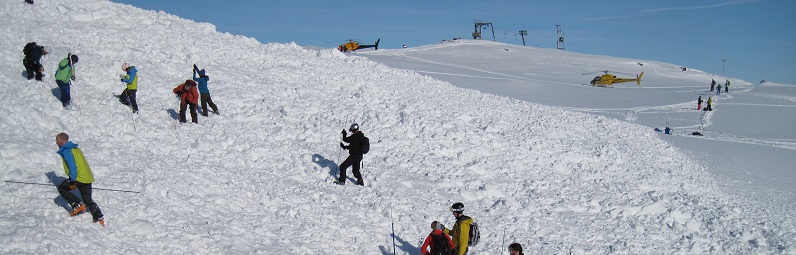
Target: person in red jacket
x: 189, y: 97
x: 429, y: 246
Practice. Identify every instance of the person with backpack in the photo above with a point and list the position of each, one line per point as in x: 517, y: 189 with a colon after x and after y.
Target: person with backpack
x: 64, y: 77
x: 131, y: 80
x: 461, y: 232
x: 32, y: 60
x: 727, y: 86
x: 80, y: 178
x: 712, y: 84
x: 204, y: 93
x: 718, y: 90
x: 437, y: 242
x: 515, y: 249
x: 189, y: 97
x: 357, y: 146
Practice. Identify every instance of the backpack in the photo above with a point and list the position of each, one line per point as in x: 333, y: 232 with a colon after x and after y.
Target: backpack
x: 29, y: 47
x: 440, y: 245
x: 365, y: 145
x: 475, y: 235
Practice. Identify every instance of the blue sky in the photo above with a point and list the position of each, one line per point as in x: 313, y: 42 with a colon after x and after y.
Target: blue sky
x: 757, y: 37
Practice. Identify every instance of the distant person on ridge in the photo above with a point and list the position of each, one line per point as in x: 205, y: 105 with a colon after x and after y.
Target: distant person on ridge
x: 64, y: 77
x: 131, y: 80
x: 437, y: 242
x: 204, y: 93
x: 712, y: 84
x: 189, y: 97
x: 461, y: 229
x: 355, y: 151
x: 699, y: 103
x: 80, y: 178
x: 32, y: 60
x: 727, y: 86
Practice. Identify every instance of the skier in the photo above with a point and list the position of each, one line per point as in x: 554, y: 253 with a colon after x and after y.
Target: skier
x: 188, y: 98
x: 712, y: 84
x: 699, y: 103
x: 437, y: 242
x: 80, y: 178
x: 354, y: 154
x: 709, y: 107
x: 727, y: 86
x: 64, y: 77
x: 131, y: 79
x: 515, y: 249
x: 461, y: 229
x: 32, y: 60
x: 204, y: 93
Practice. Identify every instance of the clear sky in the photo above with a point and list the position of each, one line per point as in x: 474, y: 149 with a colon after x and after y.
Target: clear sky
x: 756, y: 37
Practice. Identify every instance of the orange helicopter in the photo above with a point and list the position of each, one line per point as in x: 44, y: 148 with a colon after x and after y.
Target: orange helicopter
x: 352, y: 45
x: 608, y: 80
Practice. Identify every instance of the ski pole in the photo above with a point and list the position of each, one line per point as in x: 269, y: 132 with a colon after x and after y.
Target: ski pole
x: 503, y: 243
x: 50, y: 184
x: 392, y: 224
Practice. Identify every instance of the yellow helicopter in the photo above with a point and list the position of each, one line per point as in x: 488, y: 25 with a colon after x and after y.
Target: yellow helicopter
x: 352, y: 45
x: 608, y: 80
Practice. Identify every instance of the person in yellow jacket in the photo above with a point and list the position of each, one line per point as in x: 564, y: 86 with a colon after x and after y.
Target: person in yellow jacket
x: 131, y: 80
x: 461, y: 229
x: 80, y: 178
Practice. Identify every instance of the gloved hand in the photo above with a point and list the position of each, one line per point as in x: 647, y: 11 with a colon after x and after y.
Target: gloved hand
x: 72, y: 185
x: 73, y: 77
x: 344, y: 132
x: 342, y: 145
x: 121, y: 76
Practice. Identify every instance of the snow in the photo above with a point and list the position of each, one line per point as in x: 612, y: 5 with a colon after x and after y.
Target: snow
x: 536, y: 156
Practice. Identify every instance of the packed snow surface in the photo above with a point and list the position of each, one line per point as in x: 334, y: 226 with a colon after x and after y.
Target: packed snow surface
x: 257, y: 178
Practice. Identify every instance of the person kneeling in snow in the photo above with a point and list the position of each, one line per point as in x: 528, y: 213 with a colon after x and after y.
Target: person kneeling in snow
x: 189, y: 97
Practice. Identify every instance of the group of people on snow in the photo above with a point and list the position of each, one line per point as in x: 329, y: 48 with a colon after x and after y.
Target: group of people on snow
x: 713, y: 86
x: 65, y: 75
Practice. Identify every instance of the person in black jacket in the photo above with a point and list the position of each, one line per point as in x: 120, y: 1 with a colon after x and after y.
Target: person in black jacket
x: 354, y: 154
x: 32, y: 61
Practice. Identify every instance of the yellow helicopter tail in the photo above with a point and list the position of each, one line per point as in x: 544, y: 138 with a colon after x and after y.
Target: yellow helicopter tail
x: 638, y: 78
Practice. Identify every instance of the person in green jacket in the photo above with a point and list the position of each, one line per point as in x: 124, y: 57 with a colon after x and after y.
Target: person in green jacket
x: 461, y: 229
x: 64, y: 77
x: 80, y: 178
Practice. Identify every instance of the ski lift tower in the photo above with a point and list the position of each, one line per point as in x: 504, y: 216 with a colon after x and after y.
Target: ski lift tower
x: 479, y: 25
x: 523, y: 33
x: 560, y: 42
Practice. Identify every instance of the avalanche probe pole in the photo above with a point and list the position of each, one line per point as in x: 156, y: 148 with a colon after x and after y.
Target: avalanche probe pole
x: 50, y: 184
x: 77, y: 96
x: 392, y: 223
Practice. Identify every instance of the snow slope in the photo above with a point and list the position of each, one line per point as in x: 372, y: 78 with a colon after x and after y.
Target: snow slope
x: 257, y: 179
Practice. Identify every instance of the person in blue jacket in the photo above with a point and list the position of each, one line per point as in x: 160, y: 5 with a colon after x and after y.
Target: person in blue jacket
x: 80, y: 178
x: 204, y: 92
x: 131, y: 81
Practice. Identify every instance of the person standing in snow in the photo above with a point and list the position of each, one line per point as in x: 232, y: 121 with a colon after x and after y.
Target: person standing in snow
x: 80, y: 178
x: 712, y: 84
x: 131, y: 80
x: 699, y: 103
x: 189, y: 97
x: 718, y: 90
x: 709, y: 107
x: 64, y: 77
x: 515, y: 249
x: 461, y: 229
x: 437, y: 242
x: 354, y: 154
x: 32, y: 60
x: 727, y: 86
x: 204, y: 93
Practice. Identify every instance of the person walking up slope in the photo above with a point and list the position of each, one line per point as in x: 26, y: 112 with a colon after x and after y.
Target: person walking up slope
x: 32, y: 60
x: 712, y: 84
x: 188, y: 98
x: 64, y: 77
x: 727, y: 86
x: 204, y: 93
x: 80, y: 178
x: 461, y: 229
x: 356, y: 143
x: 437, y: 242
x: 131, y: 79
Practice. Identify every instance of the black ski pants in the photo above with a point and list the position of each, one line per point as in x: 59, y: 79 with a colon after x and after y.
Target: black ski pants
x: 184, y: 107
x: 32, y: 68
x: 206, y: 100
x: 354, y: 160
x: 128, y: 98
x: 85, y: 193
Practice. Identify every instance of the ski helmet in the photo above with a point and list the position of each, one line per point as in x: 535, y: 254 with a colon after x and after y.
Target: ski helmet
x: 457, y: 207
x: 353, y: 127
x: 74, y: 59
x: 125, y: 66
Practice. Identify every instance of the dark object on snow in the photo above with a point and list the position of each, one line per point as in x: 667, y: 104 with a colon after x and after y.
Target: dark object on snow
x: 29, y: 1
x: 667, y: 131
x: 696, y: 133
x: 658, y: 130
